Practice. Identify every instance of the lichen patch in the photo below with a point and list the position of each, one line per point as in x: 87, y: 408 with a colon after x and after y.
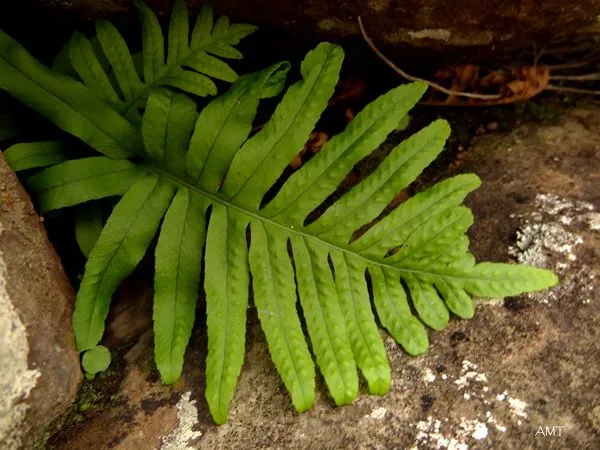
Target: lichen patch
x: 552, y: 237
x: 187, y: 415
x: 16, y: 379
x: 551, y: 230
x: 436, y: 34
x: 459, y: 433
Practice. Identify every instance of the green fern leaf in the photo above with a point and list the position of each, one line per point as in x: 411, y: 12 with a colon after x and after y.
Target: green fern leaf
x: 67, y: 103
x: 188, y: 66
x: 225, y: 123
x: 178, y: 262
x: 260, y: 161
x: 320, y: 307
x: 120, y: 247
x: 88, y: 226
x: 505, y: 280
x: 393, y: 230
x: 81, y: 180
x: 394, y: 312
x: 118, y: 55
x: 362, y: 331
x: 226, y: 285
x: 416, y: 257
x: 275, y: 298
x: 297, y: 199
x: 167, y: 127
x: 396, y: 172
x: 86, y: 65
x: 28, y: 155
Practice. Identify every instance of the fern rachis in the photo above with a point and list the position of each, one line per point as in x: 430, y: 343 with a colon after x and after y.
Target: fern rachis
x: 202, y: 186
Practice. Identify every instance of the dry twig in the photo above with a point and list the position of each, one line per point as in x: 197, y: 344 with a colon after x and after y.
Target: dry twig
x: 405, y: 75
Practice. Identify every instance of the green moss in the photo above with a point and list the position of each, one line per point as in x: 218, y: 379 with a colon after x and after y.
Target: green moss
x: 93, y: 397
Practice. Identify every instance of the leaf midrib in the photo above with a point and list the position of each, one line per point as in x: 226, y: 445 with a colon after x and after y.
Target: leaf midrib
x: 100, y: 282
x: 289, y: 230
x: 348, y: 148
x: 87, y: 178
x: 344, y: 375
x: 358, y: 321
x: 166, y: 71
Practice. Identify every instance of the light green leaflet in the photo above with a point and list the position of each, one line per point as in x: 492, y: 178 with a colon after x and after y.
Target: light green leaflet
x: 204, y: 178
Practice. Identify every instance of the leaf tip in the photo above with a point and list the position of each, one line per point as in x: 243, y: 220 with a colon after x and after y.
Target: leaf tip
x: 381, y: 382
x: 96, y: 360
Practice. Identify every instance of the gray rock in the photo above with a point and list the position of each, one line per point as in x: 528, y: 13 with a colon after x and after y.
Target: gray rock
x: 40, y: 367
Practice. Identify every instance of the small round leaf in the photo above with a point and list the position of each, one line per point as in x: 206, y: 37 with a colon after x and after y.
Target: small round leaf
x: 96, y: 359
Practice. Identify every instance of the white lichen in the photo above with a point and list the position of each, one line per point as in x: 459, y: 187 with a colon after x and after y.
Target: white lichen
x: 437, y: 34
x: 378, y: 413
x: 181, y: 437
x: 517, y: 407
x: 594, y: 221
x: 430, y: 433
x: 16, y: 379
x: 551, y: 237
x: 549, y: 231
x: 459, y: 433
x: 428, y: 375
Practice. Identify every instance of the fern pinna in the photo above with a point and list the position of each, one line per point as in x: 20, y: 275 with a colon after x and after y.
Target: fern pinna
x: 198, y: 180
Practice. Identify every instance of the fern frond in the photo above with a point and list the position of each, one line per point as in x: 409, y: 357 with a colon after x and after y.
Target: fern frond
x: 427, y: 302
x: 260, y: 161
x: 393, y: 310
x: 393, y: 230
x: 86, y: 65
x: 167, y: 127
x: 362, y: 331
x: 88, y: 226
x: 225, y: 123
x: 374, y: 193
x: 416, y: 257
x: 367, y: 131
x: 189, y: 64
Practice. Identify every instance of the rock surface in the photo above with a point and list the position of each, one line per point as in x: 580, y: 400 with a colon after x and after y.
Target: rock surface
x: 431, y: 23
x: 522, y: 374
x: 40, y: 366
